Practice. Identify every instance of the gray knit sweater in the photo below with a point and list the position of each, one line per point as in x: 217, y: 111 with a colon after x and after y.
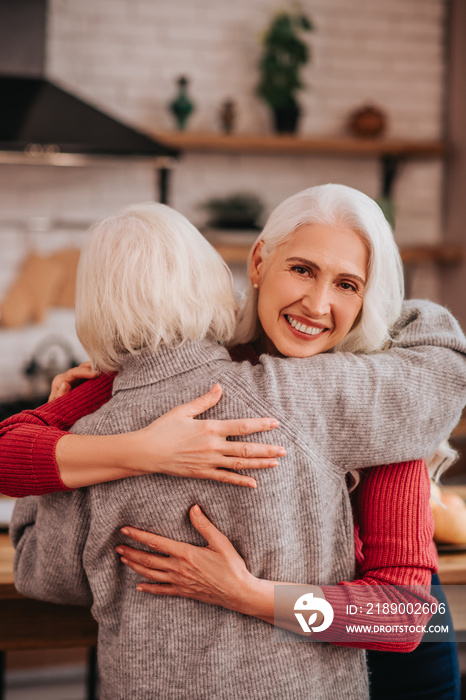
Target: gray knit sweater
x: 336, y: 412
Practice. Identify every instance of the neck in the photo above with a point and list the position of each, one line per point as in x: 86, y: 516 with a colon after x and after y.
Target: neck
x: 264, y: 346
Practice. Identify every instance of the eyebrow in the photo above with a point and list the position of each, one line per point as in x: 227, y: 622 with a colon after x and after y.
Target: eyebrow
x: 315, y: 266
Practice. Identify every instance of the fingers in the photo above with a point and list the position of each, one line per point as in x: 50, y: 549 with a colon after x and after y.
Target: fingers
x: 64, y: 382
x: 235, y: 463
x: 226, y: 477
x: 144, y: 562
x: 253, y: 450
x: 149, y: 574
x: 159, y: 544
x: 209, y: 532
x: 243, y: 426
x: 61, y: 390
x: 203, y: 403
x: 157, y: 589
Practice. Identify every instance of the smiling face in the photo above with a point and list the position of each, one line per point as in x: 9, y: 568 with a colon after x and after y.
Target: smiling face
x: 311, y: 289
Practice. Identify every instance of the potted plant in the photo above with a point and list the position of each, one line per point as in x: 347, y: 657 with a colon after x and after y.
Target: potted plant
x: 285, y: 53
x: 236, y: 211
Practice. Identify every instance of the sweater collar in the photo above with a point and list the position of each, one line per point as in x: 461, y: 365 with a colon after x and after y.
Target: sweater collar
x: 149, y: 367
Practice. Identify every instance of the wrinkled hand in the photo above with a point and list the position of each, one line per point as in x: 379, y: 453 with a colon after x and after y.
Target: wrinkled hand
x: 63, y: 383
x: 178, y: 444
x: 214, y: 574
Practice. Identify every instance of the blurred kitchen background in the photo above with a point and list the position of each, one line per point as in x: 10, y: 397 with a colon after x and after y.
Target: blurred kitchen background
x: 110, y: 102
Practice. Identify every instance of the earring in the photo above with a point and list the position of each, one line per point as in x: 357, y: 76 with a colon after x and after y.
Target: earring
x: 256, y: 286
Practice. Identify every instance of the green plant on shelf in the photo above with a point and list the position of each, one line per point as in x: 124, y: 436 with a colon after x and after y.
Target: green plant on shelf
x: 285, y: 53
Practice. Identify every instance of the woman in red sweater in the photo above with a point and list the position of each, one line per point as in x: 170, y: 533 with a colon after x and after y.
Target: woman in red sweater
x: 381, y: 564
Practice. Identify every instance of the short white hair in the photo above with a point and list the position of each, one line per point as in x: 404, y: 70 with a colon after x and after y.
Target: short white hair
x: 148, y: 277
x: 339, y: 205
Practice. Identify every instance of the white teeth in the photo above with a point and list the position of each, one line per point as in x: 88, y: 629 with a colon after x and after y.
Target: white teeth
x: 309, y: 330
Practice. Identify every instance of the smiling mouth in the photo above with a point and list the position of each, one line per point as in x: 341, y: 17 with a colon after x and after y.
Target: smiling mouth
x: 308, y: 330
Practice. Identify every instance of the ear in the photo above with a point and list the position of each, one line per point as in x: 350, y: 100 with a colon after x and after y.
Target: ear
x: 257, y: 264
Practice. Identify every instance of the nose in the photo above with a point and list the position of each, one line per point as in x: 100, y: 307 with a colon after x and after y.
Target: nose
x: 317, y: 300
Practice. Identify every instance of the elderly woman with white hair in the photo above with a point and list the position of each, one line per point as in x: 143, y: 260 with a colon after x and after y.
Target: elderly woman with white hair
x: 166, y: 352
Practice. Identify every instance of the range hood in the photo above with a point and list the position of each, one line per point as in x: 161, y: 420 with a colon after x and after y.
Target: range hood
x: 42, y: 123
x: 38, y: 116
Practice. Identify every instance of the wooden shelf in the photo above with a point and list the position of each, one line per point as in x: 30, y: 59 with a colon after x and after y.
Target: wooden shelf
x: 297, y: 145
x: 442, y: 254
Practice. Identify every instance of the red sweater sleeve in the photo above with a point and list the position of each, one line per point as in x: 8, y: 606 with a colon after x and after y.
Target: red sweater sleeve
x: 28, y: 439
x: 395, y: 524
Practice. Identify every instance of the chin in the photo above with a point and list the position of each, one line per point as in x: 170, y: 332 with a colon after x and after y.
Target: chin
x: 297, y: 350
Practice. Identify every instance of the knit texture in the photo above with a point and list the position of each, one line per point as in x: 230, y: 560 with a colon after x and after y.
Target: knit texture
x: 394, y: 527
x: 296, y: 526
x: 28, y: 439
x: 432, y: 372
x: 69, y: 552
x: 383, y: 497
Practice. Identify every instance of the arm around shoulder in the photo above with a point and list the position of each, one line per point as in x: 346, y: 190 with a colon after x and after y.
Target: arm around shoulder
x: 389, y: 406
x: 28, y: 440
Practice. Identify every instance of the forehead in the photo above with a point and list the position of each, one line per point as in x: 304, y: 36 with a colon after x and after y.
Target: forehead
x: 327, y: 245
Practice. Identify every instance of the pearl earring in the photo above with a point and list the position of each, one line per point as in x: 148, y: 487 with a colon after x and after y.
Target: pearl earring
x: 256, y: 286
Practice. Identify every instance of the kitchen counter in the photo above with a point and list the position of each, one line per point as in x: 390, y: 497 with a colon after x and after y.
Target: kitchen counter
x: 34, y: 624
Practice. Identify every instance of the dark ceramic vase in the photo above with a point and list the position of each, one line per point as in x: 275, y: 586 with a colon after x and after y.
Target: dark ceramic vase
x: 286, y: 119
x: 182, y: 106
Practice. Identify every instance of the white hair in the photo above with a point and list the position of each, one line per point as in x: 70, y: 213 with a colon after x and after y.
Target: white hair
x: 441, y: 460
x: 148, y: 277
x: 339, y: 205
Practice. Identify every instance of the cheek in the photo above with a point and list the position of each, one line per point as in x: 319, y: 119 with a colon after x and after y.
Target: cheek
x: 352, y: 313
x: 263, y: 310
x: 269, y: 302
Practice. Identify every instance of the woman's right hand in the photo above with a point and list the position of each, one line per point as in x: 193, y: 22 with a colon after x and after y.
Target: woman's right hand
x: 176, y: 444
x: 179, y: 445
x: 63, y: 383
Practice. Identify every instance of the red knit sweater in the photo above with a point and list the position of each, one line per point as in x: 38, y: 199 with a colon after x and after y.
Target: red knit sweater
x: 393, y: 520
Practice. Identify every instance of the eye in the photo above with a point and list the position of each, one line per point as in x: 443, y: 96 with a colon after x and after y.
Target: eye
x: 348, y: 287
x: 301, y: 270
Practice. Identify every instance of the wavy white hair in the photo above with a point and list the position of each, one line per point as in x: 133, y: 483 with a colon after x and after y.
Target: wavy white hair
x: 339, y: 205
x: 147, y: 277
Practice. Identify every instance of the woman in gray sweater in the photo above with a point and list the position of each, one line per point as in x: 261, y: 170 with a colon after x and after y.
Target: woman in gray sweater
x: 147, y: 307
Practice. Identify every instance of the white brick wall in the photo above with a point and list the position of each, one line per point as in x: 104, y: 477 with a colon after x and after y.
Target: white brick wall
x: 125, y: 56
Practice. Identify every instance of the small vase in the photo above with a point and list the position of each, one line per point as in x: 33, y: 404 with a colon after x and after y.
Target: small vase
x: 182, y: 106
x: 286, y: 119
x: 228, y: 116
x: 368, y: 122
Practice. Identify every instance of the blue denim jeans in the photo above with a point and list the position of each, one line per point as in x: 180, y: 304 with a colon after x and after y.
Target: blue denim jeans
x: 430, y: 672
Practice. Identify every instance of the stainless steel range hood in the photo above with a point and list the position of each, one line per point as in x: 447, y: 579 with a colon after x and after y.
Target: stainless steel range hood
x: 41, y: 123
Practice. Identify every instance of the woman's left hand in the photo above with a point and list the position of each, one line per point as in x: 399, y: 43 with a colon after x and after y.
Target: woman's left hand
x: 213, y: 574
